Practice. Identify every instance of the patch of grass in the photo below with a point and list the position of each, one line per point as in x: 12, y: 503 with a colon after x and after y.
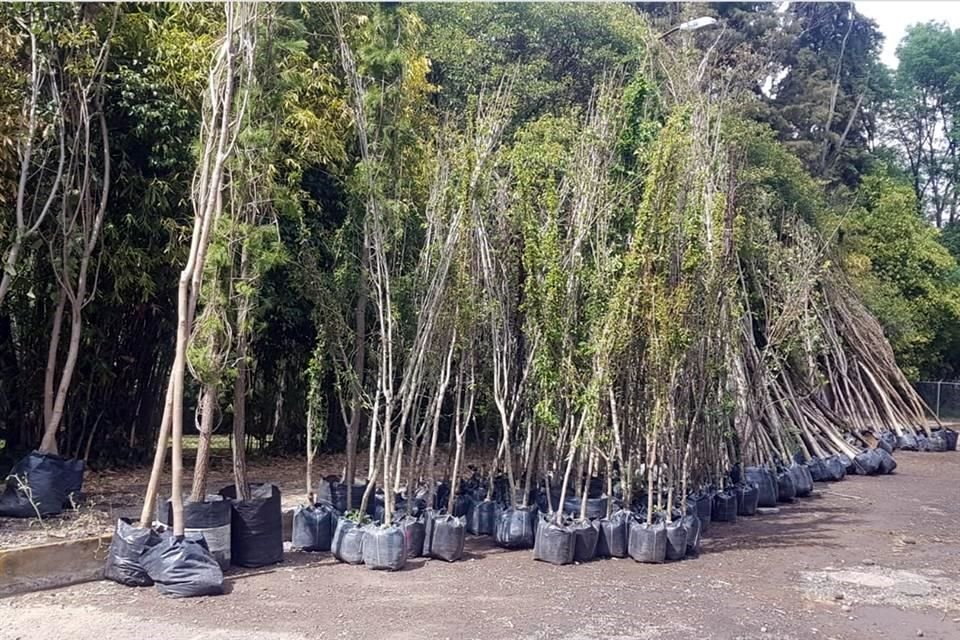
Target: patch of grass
x: 217, y: 442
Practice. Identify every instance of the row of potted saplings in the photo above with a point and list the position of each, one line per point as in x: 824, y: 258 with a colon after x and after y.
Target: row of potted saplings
x: 224, y: 530
x: 658, y: 538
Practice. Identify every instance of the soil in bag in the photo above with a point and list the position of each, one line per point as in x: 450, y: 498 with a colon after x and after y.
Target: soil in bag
x: 950, y: 438
x: 209, y: 520
x: 648, y: 542
x: 786, y: 489
x: 725, y: 507
x: 614, y: 533
x: 887, y: 463
x: 37, y: 485
x: 676, y: 540
x: 691, y: 525
x: 704, y: 508
x: 884, y: 442
x: 445, y: 536
x: 73, y: 482
x: 907, y: 442
x: 414, y: 532
x: 401, y: 507
x: 817, y: 471
x: 481, y: 519
x: 866, y: 463
x: 336, y: 494
x: 256, y: 526
x: 125, y: 556
x: 183, y: 567
x: 747, y: 498
x: 586, y: 533
x: 596, y: 507
x: 836, y: 469
x: 766, y: 485
x: 515, y: 527
x: 384, y: 548
x: 554, y: 543
x: 936, y: 443
x: 347, y: 545
x: 461, y: 505
x: 441, y: 494
x: 313, y: 527
x: 802, y: 480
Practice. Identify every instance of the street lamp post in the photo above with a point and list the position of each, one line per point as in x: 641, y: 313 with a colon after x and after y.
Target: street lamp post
x: 691, y: 25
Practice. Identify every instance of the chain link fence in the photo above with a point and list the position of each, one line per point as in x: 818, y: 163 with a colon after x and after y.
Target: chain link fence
x: 943, y: 398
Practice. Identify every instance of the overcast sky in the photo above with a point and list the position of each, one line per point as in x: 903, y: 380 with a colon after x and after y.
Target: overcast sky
x: 894, y: 16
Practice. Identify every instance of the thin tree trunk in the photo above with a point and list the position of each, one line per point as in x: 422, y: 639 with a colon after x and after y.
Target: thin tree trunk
x: 310, y: 454
x: 239, y: 438
x: 50, y: 374
x: 208, y: 408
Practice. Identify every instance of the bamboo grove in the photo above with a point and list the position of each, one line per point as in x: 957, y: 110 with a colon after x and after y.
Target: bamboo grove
x: 637, y: 287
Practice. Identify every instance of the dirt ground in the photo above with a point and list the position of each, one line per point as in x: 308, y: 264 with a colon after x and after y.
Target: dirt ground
x: 874, y: 558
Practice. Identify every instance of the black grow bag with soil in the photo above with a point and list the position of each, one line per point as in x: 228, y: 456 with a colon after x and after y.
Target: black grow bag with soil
x: 401, y: 507
x: 183, y: 568
x: 313, y: 527
x: 414, y: 533
x: 614, y: 534
x: 586, y: 533
x: 817, y: 471
x: 950, y: 438
x: 648, y: 542
x: 786, y: 489
x: 384, y: 548
x: 461, y: 505
x: 835, y: 469
x: 516, y: 527
x: 676, y: 540
x: 596, y: 507
x: 554, y: 543
x: 725, y: 507
x: 256, y: 530
x: 347, y: 545
x: 887, y: 463
x: 847, y: 462
x: 866, y: 463
x: 884, y: 442
x: 747, y: 498
x: 936, y: 443
x: 40, y: 483
x: 336, y: 494
x: 704, y: 508
x: 73, y: 481
x: 766, y: 484
x: 691, y: 527
x: 125, y: 554
x: 210, y: 520
x: 907, y: 442
x: 445, y: 536
x: 802, y: 479
x: 482, y: 518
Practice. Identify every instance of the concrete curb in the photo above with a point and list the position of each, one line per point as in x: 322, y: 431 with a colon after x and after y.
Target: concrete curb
x: 56, y: 564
